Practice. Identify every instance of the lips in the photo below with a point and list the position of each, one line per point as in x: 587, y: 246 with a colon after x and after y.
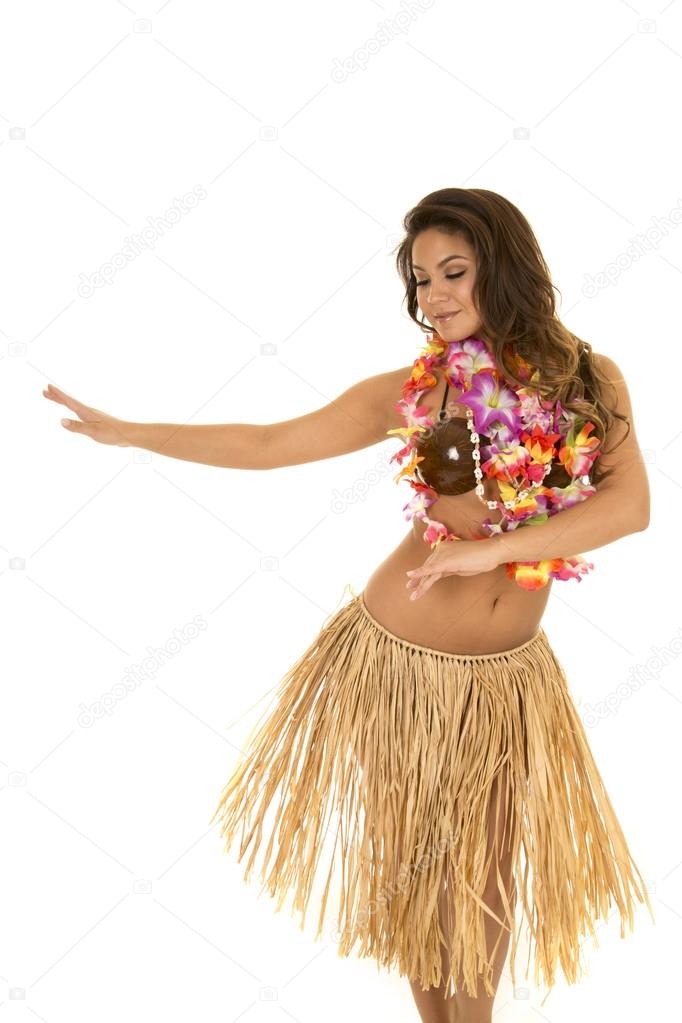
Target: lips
x: 445, y: 316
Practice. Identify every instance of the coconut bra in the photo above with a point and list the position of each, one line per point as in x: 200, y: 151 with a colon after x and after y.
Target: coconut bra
x: 530, y: 439
x: 444, y: 465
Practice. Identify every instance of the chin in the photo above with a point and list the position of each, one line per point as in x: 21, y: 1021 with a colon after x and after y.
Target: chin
x: 454, y: 331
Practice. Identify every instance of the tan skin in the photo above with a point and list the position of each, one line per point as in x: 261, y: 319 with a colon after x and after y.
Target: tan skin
x: 464, y: 601
x: 479, y: 613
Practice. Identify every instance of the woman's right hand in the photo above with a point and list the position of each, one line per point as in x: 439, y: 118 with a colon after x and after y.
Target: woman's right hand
x: 94, y: 423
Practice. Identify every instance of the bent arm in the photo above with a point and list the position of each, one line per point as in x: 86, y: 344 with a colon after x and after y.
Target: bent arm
x: 619, y: 507
x: 360, y: 416
x: 596, y: 521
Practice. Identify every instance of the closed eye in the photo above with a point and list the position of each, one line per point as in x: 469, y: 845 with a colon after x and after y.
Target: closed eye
x: 450, y: 277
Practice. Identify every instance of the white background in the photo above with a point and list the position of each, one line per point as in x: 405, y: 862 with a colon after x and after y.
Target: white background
x: 117, y: 900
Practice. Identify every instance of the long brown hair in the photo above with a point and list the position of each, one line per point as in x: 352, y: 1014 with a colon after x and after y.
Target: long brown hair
x: 514, y: 295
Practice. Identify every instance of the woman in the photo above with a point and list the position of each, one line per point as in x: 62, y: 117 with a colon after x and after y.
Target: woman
x: 430, y: 717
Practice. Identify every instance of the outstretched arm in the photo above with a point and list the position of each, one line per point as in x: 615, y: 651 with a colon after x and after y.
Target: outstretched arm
x: 620, y: 505
x: 357, y: 418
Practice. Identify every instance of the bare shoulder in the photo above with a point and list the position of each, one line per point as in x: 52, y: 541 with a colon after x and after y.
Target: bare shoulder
x: 608, y: 367
x: 376, y: 397
x: 618, y: 396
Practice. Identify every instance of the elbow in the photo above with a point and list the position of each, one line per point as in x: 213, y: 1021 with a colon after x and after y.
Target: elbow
x: 643, y: 513
x: 633, y: 514
x: 639, y: 519
x: 643, y: 521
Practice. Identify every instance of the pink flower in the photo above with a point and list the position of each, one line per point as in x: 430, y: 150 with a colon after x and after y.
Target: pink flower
x: 534, y: 412
x: 468, y: 357
x: 494, y: 407
x: 434, y: 530
x: 398, y: 456
x: 574, y: 493
x: 573, y: 568
x: 419, y: 502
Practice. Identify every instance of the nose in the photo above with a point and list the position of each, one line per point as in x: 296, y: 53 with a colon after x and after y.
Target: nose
x: 436, y: 294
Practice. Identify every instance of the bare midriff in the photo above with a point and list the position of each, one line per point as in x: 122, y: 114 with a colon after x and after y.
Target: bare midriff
x: 475, y: 614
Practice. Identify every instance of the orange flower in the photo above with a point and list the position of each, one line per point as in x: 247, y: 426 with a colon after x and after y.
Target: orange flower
x: 410, y: 467
x: 539, y: 444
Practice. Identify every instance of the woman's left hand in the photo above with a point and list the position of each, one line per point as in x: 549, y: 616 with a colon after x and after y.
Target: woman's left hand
x: 454, y: 557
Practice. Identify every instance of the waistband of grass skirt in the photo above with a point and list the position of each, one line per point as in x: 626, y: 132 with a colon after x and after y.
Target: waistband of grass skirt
x: 538, y: 639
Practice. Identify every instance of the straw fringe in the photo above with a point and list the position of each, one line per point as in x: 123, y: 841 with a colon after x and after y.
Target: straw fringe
x: 407, y: 745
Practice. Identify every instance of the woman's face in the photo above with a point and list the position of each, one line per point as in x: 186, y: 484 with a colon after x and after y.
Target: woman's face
x: 444, y: 267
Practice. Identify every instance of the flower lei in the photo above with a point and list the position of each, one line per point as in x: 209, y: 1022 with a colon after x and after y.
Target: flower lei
x: 526, y: 434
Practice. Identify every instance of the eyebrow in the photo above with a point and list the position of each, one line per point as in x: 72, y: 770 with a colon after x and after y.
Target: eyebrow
x: 442, y: 262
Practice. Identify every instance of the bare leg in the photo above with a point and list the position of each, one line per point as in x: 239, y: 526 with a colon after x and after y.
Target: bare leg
x: 432, y: 1004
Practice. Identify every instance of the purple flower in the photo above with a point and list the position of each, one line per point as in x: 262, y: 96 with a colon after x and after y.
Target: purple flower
x: 494, y: 406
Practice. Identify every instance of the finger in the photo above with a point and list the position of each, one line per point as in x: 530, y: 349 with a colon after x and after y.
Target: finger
x: 424, y: 570
x: 418, y: 581
x: 423, y: 588
x: 65, y: 399
x: 54, y: 392
x: 75, y: 426
x: 53, y: 396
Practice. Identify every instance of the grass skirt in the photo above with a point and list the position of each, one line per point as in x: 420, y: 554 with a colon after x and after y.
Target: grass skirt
x: 405, y: 743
